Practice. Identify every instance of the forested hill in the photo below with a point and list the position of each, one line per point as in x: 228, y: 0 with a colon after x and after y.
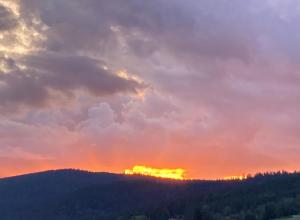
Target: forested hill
x: 78, y: 195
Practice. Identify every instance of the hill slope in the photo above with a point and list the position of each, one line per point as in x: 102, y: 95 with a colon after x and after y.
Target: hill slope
x: 77, y: 195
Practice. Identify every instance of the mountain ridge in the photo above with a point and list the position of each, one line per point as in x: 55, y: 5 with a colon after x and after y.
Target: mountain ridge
x: 75, y: 194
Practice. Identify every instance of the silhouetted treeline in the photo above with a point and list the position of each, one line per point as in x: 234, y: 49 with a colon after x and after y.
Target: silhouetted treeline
x: 263, y: 197
x: 78, y: 195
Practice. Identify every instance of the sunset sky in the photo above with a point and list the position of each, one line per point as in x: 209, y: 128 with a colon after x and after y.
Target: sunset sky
x: 210, y: 86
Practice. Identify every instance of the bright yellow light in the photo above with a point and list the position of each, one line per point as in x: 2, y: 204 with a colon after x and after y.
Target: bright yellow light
x: 177, y: 174
x: 240, y: 177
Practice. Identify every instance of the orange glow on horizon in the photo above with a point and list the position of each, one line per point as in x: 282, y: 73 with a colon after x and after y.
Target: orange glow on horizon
x: 240, y: 177
x: 177, y: 174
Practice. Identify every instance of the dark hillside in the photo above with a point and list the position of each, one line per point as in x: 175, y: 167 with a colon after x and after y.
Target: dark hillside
x: 78, y: 195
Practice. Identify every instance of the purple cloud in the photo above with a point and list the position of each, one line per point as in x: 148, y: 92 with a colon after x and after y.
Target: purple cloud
x: 210, y: 85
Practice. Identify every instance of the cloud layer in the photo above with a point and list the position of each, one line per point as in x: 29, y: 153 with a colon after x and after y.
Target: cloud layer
x: 211, y: 86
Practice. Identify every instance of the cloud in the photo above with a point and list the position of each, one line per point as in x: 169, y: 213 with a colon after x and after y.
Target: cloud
x: 203, y: 84
x: 198, y: 29
x: 193, y: 29
x: 201, y: 140
x: 7, y: 19
x: 62, y: 74
x: 34, y: 72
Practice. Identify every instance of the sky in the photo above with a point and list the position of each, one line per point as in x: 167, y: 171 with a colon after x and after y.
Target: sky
x: 211, y: 86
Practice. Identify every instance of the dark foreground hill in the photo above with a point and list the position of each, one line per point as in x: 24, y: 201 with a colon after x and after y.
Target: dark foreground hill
x: 78, y: 195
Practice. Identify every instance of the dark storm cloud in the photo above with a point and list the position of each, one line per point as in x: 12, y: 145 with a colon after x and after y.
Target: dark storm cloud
x: 7, y: 19
x: 67, y: 73
x: 63, y: 74
x: 19, y: 88
x: 203, y: 28
x: 214, y: 29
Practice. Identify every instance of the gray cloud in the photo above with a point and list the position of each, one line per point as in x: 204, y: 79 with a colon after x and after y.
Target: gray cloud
x: 7, y: 19
x: 201, y: 29
x: 67, y: 73
x: 211, y: 30
x: 63, y: 74
x: 224, y: 76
